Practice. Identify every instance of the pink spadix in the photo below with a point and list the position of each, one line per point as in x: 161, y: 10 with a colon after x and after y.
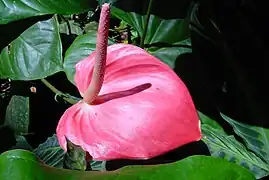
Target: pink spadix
x: 134, y: 106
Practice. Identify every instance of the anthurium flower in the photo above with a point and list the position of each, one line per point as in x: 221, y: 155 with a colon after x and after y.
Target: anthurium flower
x: 134, y: 106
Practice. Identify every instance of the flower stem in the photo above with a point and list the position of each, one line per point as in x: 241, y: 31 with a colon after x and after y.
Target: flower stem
x: 57, y: 92
x: 146, y: 25
x: 100, y: 59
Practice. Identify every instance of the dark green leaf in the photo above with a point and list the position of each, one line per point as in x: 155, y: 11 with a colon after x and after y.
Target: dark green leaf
x: 227, y: 147
x: 11, y: 10
x: 74, y: 27
x: 159, y: 30
x: 256, y: 138
x: 17, y: 114
x: 82, y: 47
x: 22, y: 143
x: 23, y: 165
x: 50, y: 152
x: 91, y: 26
x: 170, y: 54
x: 98, y: 165
x: 75, y: 157
x: 133, y: 33
x: 211, y: 34
x: 35, y: 54
x: 210, y: 122
x: 165, y: 39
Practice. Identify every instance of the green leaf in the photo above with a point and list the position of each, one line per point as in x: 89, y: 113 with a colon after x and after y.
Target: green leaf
x: 22, y: 143
x: 50, y: 152
x: 256, y: 138
x: 210, y: 122
x: 82, y: 47
x: 74, y: 27
x: 75, y: 157
x: 168, y: 54
x: 227, y: 147
x: 35, y: 54
x: 165, y: 39
x: 91, y: 26
x: 17, y: 114
x: 159, y: 30
x: 23, y: 165
x: 98, y: 165
x: 11, y: 10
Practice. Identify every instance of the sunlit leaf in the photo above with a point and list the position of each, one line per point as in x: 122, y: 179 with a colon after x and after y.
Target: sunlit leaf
x: 11, y: 10
x: 74, y: 28
x: 35, y: 54
x: 23, y: 165
x: 165, y: 39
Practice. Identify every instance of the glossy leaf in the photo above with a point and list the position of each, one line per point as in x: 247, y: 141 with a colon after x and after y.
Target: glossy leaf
x: 35, y: 54
x: 165, y: 39
x: 256, y: 138
x: 168, y: 54
x: 17, y: 114
x: 227, y: 147
x: 50, y: 152
x: 159, y: 30
x: 210, y: 122
x: 82, y: 47
x: 23, y: 165
x: 75, y: 157
x: 74, y: 28
x: 91, y: 26
x: 11, y: 10
x: 98, y: 165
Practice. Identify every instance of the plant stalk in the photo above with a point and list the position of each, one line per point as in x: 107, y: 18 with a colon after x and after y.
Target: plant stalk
x: 57, y: 92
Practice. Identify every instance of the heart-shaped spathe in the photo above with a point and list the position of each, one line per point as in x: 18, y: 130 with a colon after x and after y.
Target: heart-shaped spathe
x: 143, y: 109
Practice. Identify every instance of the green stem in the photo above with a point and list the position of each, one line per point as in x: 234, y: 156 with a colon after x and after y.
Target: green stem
x: 146, y: 25
x: 56, y: 91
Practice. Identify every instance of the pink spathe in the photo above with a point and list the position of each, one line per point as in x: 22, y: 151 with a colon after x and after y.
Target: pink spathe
x: 134, y: 106
x: 143, y: 109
